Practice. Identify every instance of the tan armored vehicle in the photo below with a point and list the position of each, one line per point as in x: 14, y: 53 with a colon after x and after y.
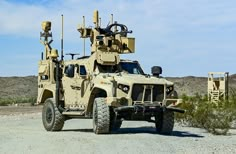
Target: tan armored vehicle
x: 102, y: 86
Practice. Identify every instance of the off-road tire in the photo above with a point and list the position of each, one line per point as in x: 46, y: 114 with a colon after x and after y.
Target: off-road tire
x: 165, y: 122
x: 52, y: 119
x: 115, y: 124
x: 101, y: 116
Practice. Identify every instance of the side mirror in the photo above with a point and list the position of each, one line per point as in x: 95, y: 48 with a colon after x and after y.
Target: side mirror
x: 156, y: 71
x: 70, y: 71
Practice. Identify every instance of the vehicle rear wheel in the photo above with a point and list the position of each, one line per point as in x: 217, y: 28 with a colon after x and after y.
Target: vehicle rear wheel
x: 165, y: 122
x: 52, y: 119
x: 101, y: 116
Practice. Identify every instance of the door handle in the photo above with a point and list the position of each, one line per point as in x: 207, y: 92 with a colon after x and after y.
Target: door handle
x: 75, y: 87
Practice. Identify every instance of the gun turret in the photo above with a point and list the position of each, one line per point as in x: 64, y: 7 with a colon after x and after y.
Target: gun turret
x: 107, y: 43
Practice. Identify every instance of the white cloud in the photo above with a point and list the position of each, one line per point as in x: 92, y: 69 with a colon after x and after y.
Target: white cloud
x: 159, y: 16
x: 19, y: 19
x: 164, y: 29
x: 24, y: 19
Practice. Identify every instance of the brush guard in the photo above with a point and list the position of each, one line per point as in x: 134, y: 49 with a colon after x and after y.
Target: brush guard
x: 142, y: 112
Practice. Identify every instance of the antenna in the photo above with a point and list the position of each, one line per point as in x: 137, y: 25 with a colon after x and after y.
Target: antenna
x: 96, y: 18
x: 100, y: 22
x: 84, y: 27
x: 111, y: 20
x: 72, y: 55
x: 62, y: 29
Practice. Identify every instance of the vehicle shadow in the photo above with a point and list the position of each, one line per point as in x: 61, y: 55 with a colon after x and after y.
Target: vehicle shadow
x: 140, y: 130
x: 78, y: 130
x: 151, y: 130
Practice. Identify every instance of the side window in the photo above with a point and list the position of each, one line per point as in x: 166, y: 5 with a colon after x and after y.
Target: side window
x: 44, y: 77
x: 70, y: 70
x: 82, y: 70
x: 135, y: 71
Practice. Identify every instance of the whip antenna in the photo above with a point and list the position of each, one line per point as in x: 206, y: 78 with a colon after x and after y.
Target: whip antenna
x: 62, y: 29
x: 84, y: 38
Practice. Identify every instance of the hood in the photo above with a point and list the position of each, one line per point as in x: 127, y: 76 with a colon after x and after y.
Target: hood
x: 130, y: 79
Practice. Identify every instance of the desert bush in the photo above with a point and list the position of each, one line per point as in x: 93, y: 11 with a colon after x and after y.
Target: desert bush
x: 216, y: 118
x: 18, y: 100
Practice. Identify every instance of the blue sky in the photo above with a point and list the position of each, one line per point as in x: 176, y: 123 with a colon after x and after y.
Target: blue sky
x: 184, y: 37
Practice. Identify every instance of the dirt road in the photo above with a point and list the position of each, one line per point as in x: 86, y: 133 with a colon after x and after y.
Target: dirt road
x: 24, y: 133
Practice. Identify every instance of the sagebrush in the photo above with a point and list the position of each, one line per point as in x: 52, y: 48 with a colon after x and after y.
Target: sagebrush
x: 216, y: 118
x: 13, y: 100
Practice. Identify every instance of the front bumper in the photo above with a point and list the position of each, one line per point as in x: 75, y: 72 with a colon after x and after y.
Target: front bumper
x: 143, y: 112
x: 146, y: 109
x: 123, y: 101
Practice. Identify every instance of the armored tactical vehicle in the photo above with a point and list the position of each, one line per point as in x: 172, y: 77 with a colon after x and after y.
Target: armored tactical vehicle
x: 102, y: 86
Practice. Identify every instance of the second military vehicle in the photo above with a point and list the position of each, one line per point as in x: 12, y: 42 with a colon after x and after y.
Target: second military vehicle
x: 102, y: 86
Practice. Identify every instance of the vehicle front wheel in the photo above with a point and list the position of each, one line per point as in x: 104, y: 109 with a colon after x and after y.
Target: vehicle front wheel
x: 165, y: 122
x: 52, y: 119
x: 115, y: 123
x: 101, y: 116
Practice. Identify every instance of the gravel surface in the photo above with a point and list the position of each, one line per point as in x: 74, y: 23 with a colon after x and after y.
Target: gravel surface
x: 22, y: 133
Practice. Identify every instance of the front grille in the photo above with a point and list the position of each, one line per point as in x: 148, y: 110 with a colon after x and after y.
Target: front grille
x: 147, y: 93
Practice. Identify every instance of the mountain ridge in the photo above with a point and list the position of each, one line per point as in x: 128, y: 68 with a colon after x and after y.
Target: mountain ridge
x: 16, y: 86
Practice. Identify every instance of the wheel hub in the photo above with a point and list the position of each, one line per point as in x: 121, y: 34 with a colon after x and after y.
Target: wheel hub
x: 49, y: 115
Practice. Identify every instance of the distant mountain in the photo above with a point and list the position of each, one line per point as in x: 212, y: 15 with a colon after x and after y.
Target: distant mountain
x: 27, y: 86
x: 18, y: 87
x: 191, y: 85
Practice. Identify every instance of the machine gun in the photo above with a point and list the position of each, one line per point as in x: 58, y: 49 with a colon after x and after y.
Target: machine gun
x: 107, y: 43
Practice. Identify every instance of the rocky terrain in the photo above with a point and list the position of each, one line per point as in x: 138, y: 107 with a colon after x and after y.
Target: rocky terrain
x: 24, y: 133
x: 17, y: 87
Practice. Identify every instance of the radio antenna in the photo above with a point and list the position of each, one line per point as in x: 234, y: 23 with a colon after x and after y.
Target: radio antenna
x: 111, y: 21
x: 100, y: 22
x: 62, y: 29
x: 84, y: 38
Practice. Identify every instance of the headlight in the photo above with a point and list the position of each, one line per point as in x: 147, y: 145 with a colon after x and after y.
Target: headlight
x: 169, y: 90
x: 124, y: 88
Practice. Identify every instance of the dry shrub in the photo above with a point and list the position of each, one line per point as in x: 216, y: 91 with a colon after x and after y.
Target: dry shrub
x: 216, y: 118
x: 11, y: 100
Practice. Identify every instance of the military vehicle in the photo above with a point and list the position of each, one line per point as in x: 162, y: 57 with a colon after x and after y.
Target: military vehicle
x: 102, y: 86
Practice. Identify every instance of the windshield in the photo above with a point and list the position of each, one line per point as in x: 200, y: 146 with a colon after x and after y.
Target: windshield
x: 108, y: 68
x: 131, y: 67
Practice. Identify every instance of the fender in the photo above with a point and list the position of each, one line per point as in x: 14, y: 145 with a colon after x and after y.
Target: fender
x: 44, y: 94
x: 99, y: 90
